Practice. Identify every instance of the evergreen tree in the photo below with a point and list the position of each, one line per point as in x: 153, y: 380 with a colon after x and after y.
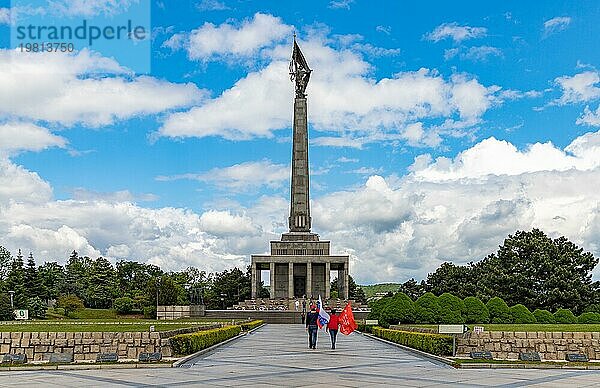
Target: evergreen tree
x: 413, y: 289
x: 102, y: 284
x: 76, y: 276
x: 33, y: 284
x: 5, y: 262
x: 52, y: 278
x: 15, y: 281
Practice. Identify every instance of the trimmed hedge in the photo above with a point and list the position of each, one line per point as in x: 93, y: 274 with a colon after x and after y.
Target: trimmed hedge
x: 252, y: 325
x: 427, y: 309
x: 499, y: 311
x: 398, y: 309
x: 451, y: 308
x: 363, y: 328
x: 564, y: 316
x: 521, y: 314
x: 589, y: 317
x: 191, y: 343
x: 437, y: 344
x: 475, y: 311
x: 544, y: 316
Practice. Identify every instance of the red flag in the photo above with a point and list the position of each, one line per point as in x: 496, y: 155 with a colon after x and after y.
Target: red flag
x: 347, y: 323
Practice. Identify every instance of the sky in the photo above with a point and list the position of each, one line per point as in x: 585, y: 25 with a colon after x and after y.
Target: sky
x: 436, y: 130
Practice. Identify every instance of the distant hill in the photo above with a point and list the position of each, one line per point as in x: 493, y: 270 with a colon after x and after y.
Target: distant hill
x: 372, y: 289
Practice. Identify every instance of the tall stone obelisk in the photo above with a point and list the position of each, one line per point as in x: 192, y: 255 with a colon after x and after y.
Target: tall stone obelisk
x: 300, y: 220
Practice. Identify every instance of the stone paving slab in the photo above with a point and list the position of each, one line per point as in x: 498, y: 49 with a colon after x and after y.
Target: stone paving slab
x: 278, y: 355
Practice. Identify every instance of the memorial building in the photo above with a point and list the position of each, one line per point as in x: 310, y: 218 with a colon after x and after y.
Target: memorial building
x: 300, y: 263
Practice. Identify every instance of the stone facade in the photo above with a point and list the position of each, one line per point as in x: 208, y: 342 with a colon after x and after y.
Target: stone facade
x: 551, y: 345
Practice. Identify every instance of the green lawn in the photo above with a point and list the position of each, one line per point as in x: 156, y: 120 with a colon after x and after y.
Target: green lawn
x: 531, y: 327
x: 96, y: 326
x: 372, y: 289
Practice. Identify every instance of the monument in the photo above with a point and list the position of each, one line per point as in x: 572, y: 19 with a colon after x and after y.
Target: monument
x: 300, y: 263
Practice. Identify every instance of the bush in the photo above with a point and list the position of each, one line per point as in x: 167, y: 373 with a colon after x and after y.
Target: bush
x: 363, y: 328
x: 69, y: 303
x: 150, y: 312
x: 123, y: 305
x: 427, y: 309
x: 475, y: 311
x: 593, y: 308
x: 37, y: 308
x: 377, y: 307
x: 184, y: 344
x: 589, y: 318
x: 544, y: 316
x: 437, y: 344
x: 398, y: 309
x: 451, y: 308
x: 521, y: 314
x: 251, y: 325
x: 6, y: 312
x: 564, y: 316
x: 499, y: 311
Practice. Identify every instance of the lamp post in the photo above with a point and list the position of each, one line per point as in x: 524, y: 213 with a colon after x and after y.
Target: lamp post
x: 223, y: 300
x: 12, y: 303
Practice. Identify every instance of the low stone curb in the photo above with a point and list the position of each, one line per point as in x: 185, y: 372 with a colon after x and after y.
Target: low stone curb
x: 89, y: 366
x: 421, y: 353
x: 182, y: 361
x: 526, y: 366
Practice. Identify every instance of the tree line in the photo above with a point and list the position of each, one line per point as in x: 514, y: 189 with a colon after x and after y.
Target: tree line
x: 529, y: 268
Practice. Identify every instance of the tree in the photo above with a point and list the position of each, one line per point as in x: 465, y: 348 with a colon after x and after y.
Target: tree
x: 5, y: 262
x: 564, y: 316
x: 532, y: 269
x: 499, y: 311
x: 230, y: 285
x: 398, y: 309
x: 475, y: 311
x: 588, y: 317
x: 427, y: 309
x: 15, y: 281
x: 52, y: 278
x: 451, y: 308
x: 123, y: 305
x: 355, y: 292
x: 377, y: 308
x: 37, y: 308
x: 543, y: 316
x: 76, y: 275
x: 457, y: 280
x: 33, y: 284
x: 6, y: 311
x: 69, y: 303
x: 101, y: 288
x: 413, y: 289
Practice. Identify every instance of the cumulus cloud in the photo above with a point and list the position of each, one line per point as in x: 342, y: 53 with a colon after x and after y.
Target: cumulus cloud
x: 240, y: 177
x: 82, y: 194
x: 455, y: 32
x: 578, y: 88
x: 590, y: 117
x: 89, y: 8
x: 4, y: 15
x: 340, y: 4
x: 19, y: 136
x: 211, y: 42
x: 556, y: 24
x: 62, y: 88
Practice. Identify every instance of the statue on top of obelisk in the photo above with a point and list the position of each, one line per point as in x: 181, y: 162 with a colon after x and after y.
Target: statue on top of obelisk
x: 300, y: 220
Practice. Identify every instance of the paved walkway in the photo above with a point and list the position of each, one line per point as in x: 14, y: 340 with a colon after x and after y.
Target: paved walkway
x: 278, y: 355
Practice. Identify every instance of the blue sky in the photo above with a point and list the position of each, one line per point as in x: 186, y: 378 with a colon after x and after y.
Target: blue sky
x: 436, y: 130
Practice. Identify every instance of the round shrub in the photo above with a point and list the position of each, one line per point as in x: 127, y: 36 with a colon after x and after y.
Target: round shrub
x: 521, y: 314
x: 377, y: 307
x: 398, y: 309
x: 123, y: 305
x: 475, y: 311
x: 427, y: 309
x: 499, y: 311
x: 564, y: 316
x: 593, y: 308
x: 451, y: 308
x: 544, y: 316
x: 589, y: 318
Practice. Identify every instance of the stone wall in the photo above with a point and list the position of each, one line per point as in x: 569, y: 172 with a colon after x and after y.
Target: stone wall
x: 550, y: 345
x: 176, y: 312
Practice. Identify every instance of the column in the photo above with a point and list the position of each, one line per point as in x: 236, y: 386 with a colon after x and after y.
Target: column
x: 254, y: 282
x: 290, y: 280
x: 308, y: 280
x: 346, y: 273
x: 327, y: 280
x: 272, y: 274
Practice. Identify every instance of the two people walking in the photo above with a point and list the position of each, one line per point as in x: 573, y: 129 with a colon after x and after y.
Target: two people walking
x: 312, y: 327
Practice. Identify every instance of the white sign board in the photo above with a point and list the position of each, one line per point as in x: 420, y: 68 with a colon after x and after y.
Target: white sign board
x: 452, y: 329
x: 22, y: 314
x: 478, y: 329
x: 371, y: 322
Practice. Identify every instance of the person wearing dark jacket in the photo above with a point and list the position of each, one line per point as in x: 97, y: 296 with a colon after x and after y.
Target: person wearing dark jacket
x: 311, y: 327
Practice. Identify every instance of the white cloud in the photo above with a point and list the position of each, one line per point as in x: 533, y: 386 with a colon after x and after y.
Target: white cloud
x: 18, y: 136
x: 4, y: 15
x: 456, y: 32
x: 19, y: 185
x: 385, y: 29
x: 241, y: 177
x: 223, y: 223
x: 89, y: 8
x: 61, y: 88
x: 82, y: 194
x: 212, y: 5
x: 578, y: 88
x: 340, y: 4
x: 590, y: 117
x: 211, y: 42
x: 482, y: 53
x: 556, y: 24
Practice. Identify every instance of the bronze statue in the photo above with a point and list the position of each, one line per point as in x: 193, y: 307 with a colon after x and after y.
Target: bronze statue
x: 299, y: 71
